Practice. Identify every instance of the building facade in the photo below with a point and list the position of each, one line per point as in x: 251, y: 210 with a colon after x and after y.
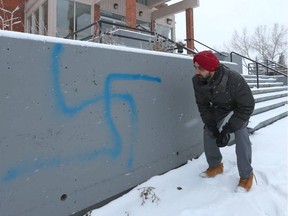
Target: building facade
x: 60, y: 18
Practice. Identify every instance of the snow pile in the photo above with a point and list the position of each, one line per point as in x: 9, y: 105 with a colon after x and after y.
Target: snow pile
x: 182, y: 192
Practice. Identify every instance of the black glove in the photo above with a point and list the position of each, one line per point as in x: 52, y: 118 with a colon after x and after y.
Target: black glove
x: 214, y: 130
x: 224, y: 137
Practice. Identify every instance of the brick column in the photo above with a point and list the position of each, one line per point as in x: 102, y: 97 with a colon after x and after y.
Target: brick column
x: 153, y: 26
x: 96, y: 18
x: 19, y: 14
x: 189, y: 28
x: 96, y: 12
x: 131, y: 13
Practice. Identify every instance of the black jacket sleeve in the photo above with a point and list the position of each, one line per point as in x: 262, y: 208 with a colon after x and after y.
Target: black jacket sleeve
x: 244, y: 103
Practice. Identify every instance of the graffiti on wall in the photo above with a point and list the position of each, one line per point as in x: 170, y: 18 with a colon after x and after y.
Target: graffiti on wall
x: 105, y: 99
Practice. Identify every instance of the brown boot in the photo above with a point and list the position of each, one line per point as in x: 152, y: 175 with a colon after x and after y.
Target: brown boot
x: 212, y: 171
x: 245, y: 184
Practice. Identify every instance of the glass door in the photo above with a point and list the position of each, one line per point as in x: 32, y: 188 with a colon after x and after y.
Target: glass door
x: 71, y: 17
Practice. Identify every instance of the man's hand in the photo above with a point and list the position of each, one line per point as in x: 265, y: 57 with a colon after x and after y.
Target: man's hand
x: 224, y: 137
x: 214, y: 130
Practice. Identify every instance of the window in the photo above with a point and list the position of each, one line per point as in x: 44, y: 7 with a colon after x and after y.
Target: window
x: 144, y: 2
x: 165, y: 31
x: 113, y: 18
x: 143, y: 25
x: 72, y: 17
x: 37, y: 20
x: 44, y: 26
x: 29, y: 24
x: 116, y: 17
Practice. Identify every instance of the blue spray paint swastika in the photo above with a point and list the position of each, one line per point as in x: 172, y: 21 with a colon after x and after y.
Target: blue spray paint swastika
x: 106, y: 98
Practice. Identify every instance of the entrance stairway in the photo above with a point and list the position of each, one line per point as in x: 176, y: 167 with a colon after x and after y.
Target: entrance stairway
x: 271, y: 101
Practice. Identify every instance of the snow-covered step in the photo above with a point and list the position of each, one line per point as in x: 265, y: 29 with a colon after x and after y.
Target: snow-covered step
x: 269, y: 84
x: 265, y: 80
x: 262, y: 76
x: 271, y: 100
x: 263, y: 119
x: 270, y: 104
x: 270, y: 96
x: 268, y: 89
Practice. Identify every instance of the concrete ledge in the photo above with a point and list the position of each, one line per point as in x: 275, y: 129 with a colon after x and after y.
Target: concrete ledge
x: 270, y: 96
x: 256, y: 91
x: 263, y: 119
x: 253, y: 80
x: 266, y: 84
x: 268, y: 107
x: 267, y: 122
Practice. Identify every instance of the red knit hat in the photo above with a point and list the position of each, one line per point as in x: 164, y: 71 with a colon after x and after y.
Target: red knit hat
x: 207, y: 60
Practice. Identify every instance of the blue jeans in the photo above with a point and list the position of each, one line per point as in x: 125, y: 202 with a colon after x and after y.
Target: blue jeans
x: 243, y: 151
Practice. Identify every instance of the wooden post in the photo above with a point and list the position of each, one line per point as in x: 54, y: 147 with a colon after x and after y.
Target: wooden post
x: 131, y: 13
x: 190, y: 29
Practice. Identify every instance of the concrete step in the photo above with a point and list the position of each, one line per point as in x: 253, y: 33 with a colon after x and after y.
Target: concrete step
x: 268, y: 89
x: 271, y: 101
x: 261, y: 80
x: 268, y: 84
x: 265, y: 118
x: 262, y: 76
x: 270, y: 96
x: 261, y: 107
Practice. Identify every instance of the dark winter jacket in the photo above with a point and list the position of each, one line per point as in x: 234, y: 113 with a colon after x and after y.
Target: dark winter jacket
x: 227, y: 91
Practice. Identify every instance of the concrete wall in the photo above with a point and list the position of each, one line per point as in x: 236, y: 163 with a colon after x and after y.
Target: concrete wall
x: 236, y: 63
x: 81, y: 122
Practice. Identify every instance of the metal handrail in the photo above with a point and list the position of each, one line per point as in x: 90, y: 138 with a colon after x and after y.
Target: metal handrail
x: 277, y: 65
x: 269, y: 63
x: 82, y: 29
x: 178, y: 45
x: 99, y: 22
x: 280, y: 65
x: 257, y: 64
x: 147, y: 31
x: 205, y: 46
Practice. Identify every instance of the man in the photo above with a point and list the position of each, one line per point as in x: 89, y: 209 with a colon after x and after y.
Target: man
x: 220, y: 91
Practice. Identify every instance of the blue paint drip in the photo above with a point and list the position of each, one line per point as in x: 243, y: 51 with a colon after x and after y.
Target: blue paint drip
x: 60, y: 99
x: 114, y: 151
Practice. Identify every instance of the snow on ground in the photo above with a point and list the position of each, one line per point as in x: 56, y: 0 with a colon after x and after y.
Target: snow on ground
x: 182, y: 192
